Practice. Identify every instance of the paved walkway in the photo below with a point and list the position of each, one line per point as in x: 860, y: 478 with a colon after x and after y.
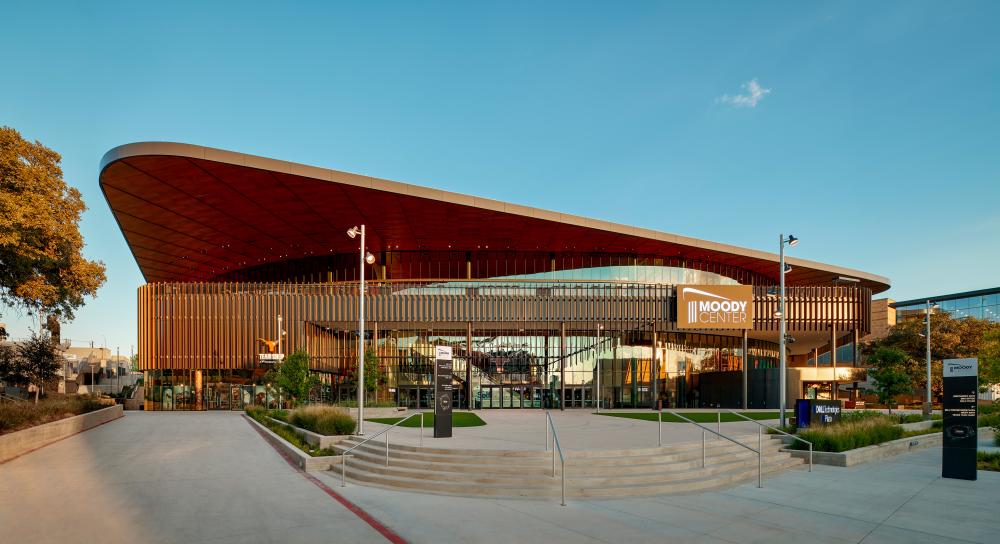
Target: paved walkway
x: 578, y: 430
x: 898, y: 500
x: 163, y: 477
x: 208, y: 477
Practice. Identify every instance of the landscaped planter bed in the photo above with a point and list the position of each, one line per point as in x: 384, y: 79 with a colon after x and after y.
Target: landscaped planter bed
x: 20, y: 442
x: 870, y: 453
x: 315, y: 440
x: 301, y: 459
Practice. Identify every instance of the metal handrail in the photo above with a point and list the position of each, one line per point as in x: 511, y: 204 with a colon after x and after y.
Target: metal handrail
x: 347, y: 453
x: 780, y: 432
x: 562, y: 460
x: 758, y: 451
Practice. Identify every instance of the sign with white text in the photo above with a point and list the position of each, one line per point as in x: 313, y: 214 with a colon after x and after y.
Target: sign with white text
x: 714, y: 307
x: 960, y: 410
x: 443, y: 372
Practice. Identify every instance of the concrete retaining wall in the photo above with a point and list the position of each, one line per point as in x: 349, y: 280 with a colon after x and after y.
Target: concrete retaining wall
x: 315, y: 439
x: 302, y: 459
x: 371, y: 413
x: 18, y: 443
x: 870, y: 453
x: 917, y: 425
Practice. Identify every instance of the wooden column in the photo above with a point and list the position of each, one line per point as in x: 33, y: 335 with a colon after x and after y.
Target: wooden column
x: 562, y: 366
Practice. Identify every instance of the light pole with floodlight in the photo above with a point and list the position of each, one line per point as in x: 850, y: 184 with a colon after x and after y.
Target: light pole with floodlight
x: 370, y: 259
x: 928, y: 406
x: 791, y: 241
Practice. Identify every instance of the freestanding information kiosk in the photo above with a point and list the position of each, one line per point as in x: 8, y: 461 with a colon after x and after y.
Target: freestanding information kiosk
x: 442, y: 391
x: 961, y: 390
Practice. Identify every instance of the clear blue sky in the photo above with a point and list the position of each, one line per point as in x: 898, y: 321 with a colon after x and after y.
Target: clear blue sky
x: 871, y: 131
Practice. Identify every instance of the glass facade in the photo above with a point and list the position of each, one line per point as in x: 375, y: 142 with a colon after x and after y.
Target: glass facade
x: 563, y: 338
x: 979, y: 305
x: 666, y: 275
x: 511, y: 369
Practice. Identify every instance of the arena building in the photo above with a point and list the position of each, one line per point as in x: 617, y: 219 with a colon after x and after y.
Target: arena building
x: 245, y: 256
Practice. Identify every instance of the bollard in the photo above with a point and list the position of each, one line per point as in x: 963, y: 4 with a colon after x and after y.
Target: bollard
x: 760, y: 455
x: 702, y: 449
x: 659, y: 428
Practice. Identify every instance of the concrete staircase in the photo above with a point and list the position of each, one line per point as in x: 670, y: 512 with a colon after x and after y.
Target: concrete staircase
x: 598, y: 473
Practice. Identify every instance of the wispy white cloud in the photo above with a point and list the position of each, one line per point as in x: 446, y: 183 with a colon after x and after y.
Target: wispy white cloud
x: 753, y: 93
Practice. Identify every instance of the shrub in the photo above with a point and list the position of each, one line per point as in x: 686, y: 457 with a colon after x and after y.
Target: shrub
x: 15, y: 416
x: 989, y: 420
x: 988, y: 460
x: 848, y: 435
x: 325, y: 420
x: 285, y: 431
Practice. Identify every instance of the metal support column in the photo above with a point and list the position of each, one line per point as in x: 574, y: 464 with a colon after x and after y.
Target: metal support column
x: 833, y: 359
x: 468, y: 366
x: 655, y: 371
x: 855, y: 362
x: 746, y: 398
x: 562, y: 366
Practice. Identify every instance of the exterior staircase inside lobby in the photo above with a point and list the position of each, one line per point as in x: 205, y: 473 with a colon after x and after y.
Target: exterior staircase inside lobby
x: 676, y: 468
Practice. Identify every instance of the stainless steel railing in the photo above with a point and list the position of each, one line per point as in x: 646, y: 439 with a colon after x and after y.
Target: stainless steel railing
x: 777, y: 431
x: 758, y: 451
x: 347, y: 453
x: 549, y: 424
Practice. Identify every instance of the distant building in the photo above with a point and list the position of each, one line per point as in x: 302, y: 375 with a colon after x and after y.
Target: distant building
x: 981, y: 304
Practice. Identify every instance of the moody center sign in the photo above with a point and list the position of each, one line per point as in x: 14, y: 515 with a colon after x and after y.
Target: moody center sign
x: 715, y: 307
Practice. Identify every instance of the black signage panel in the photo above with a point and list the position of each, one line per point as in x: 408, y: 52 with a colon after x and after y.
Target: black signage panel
x: 961, y: 389
x: 442, y: 391
x: 816, y: 412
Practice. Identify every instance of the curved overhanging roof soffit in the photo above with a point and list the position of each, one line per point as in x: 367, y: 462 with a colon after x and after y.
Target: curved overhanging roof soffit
x: 190, y: 213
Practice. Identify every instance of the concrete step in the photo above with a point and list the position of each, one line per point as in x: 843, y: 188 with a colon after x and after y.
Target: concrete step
x: 479, y: 458
x: 579, y: 476
x: 596, y: 467
x: 549, y: 487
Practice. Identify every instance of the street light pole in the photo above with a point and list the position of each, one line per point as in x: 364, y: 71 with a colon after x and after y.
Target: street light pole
x: 361, y: 340
x: 369, y: 259
x: 600, y: 338
x: 928, y: 407
x: 782, y: 365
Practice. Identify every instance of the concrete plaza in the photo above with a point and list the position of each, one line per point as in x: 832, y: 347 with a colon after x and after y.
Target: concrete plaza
x: 209, y: 477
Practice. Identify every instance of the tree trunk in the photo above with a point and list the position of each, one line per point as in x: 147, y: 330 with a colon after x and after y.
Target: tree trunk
x: 36, y: 394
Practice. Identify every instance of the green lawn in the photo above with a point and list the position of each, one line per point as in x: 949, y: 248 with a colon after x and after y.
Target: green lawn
x: 698, y: 417
x: 458, y: 419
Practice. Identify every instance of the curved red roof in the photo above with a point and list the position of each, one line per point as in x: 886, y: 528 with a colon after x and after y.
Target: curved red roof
x: 192, y: 213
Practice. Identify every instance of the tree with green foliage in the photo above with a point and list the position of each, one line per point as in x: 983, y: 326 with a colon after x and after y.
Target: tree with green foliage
x: 292, y: 377
x: 950, y: 339
x: 989, y: 360
x: 31, y: 362
x: 41, y: 262
x: 10, y: 365
x: 887, y: 367
x: 373, y: 374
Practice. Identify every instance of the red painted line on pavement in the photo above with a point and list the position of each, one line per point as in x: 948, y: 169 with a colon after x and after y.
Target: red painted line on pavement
x: 388, y: 533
